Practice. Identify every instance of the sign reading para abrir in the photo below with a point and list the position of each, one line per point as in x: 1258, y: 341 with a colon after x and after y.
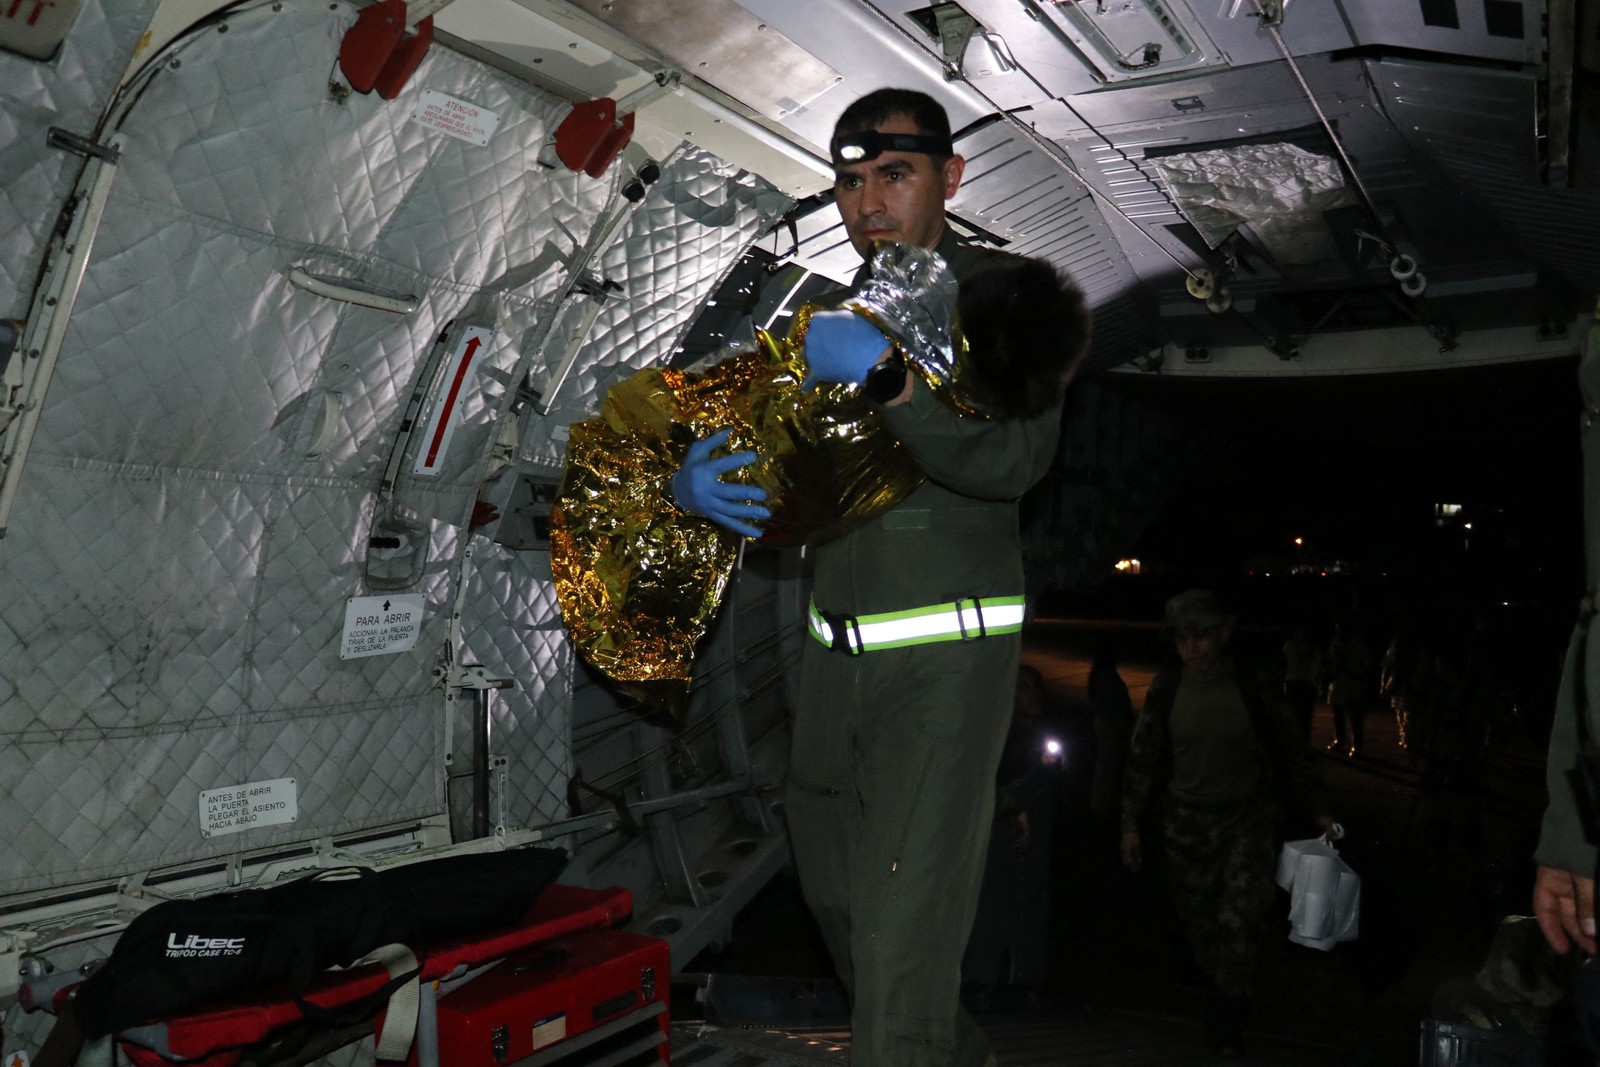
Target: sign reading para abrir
x: 380, y: 625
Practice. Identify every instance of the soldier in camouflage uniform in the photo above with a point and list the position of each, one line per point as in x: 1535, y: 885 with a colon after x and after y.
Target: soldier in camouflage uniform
x: 1218, y: 744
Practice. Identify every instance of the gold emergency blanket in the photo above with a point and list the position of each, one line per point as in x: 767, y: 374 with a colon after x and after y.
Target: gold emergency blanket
x: 637, y: 579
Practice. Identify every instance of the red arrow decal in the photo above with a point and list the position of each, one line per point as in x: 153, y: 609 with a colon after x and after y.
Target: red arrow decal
x: 450, y: 401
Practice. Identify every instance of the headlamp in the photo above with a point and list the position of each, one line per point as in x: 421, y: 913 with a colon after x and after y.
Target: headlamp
x: 863, y: 145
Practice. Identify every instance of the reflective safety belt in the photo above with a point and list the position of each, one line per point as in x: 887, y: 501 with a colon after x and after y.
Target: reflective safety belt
x: 966, y: 619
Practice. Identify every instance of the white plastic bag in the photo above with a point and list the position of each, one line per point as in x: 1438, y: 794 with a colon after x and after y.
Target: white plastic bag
x: 1324, y: 893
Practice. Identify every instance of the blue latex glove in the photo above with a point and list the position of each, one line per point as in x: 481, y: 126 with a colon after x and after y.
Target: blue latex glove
x: 699, y: 489
x: 841, y: 346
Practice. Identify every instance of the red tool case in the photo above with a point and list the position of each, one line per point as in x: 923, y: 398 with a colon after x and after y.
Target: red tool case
x: 598, y: 997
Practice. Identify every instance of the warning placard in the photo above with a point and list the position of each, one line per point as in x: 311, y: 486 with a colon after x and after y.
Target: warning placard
x: 245, y: 807
x: 379, y: 625
x: 459, y: 119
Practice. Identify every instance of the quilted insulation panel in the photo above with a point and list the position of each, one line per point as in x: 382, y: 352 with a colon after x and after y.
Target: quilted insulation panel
x: 197, y: 505
x: 69, y: 90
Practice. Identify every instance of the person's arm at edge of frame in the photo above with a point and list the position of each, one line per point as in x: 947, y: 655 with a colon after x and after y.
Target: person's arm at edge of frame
x: 1563, y: 898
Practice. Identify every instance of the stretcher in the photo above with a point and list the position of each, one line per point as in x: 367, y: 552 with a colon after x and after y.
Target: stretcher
x: 344, y: 1003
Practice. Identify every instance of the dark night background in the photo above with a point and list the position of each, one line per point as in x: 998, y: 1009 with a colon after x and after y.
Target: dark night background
x: 1355, y: 466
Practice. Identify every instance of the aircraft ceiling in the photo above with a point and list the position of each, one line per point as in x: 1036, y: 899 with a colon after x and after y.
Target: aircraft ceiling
x: 1411, y: 169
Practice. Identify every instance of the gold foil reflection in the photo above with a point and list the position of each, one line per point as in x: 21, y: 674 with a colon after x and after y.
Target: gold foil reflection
x: 637, y: 579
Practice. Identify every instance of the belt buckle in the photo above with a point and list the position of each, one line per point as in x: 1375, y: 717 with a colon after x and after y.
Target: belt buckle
x: 961, y: 623
x: 837, y: 625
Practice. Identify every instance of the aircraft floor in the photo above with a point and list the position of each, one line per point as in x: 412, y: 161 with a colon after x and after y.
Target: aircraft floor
x: 1079, y: 1037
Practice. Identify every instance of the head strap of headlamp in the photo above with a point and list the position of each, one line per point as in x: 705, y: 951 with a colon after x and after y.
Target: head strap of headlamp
x: 864, y: 145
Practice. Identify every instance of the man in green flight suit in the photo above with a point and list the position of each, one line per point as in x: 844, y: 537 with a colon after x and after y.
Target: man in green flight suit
x: 906, y: 691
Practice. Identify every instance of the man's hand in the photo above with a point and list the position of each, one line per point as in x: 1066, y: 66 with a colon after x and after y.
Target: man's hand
x: 841, y: 346
x: 699, y: 489
x: 1132, y: 850
x: 1563, y: 903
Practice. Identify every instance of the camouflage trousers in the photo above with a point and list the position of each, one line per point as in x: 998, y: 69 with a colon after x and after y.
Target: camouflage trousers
x: 1220, y: 869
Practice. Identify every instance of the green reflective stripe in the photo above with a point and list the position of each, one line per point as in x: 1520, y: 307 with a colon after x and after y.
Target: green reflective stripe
x: 947, y: 608
x: 951, y: 621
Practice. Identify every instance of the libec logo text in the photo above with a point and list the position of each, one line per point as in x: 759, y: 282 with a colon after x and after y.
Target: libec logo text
x: 195, y: 945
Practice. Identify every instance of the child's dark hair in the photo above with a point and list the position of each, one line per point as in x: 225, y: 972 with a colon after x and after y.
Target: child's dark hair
x: 1028, y: 325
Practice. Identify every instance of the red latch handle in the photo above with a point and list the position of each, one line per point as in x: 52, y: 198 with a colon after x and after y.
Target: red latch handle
x: 377, y: 53
x: 591, y: 136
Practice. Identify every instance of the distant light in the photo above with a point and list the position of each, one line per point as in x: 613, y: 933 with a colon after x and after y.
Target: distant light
x: 1053, y: 747
x: 1466, y: 526
x: 1128, y: 566
x: 1299, y: 540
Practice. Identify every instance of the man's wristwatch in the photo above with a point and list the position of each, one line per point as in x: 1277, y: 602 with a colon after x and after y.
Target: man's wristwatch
x: 886, y: 380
